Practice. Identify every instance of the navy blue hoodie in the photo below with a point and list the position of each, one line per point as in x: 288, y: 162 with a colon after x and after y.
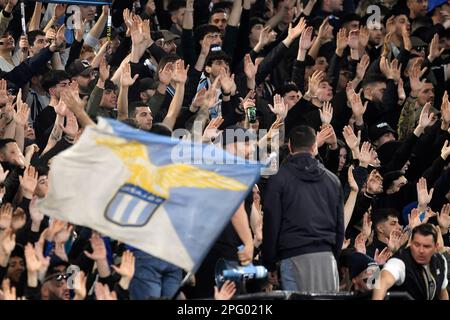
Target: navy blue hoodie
x: 303, y: 211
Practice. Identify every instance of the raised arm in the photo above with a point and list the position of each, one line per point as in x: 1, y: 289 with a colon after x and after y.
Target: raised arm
x: 96, y: 31
x: 386, y: 282
x: 125, y: 82
x: 179, y: 76
x: 35, y: 21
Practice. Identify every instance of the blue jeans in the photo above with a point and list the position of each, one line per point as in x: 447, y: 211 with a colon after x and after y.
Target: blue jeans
x: 154, y: 278
x: 288, y: 282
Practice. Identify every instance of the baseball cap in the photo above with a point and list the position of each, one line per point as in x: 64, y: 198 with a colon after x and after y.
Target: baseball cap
x: 166, y: 35
x: 79, y: 68
x: 387, y: 150
x: 148, y: 84
x: 359, y: 262
x: 390, y: 177
x: 377, y: 130
x: 416, y: 42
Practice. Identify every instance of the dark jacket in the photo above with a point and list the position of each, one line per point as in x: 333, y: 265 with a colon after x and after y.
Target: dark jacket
x: 414, y: 281
x: 305, y: 212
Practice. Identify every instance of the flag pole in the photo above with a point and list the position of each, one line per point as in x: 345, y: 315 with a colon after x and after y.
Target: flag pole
x: 185, y: 280
x: 109, y: 25
x: 24, y: 24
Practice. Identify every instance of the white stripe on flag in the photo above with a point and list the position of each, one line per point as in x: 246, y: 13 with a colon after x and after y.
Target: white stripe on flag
x: 121, y: 208
x: 141, y: 205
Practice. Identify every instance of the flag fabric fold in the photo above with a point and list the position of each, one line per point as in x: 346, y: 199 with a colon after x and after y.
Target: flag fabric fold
x: 147, y: 191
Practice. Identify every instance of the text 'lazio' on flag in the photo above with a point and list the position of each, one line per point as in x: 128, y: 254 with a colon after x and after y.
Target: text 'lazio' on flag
x: 124, y: 183
x: 82, y: 2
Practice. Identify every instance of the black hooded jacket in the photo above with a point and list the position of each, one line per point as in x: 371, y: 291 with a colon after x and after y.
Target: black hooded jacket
x: 303, y: 211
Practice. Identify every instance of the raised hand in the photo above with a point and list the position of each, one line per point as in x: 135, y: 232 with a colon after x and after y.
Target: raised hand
x: 423, y: 196
x: 363, y: 37
x: 341, y: 41
x: 32, y: 261
x: 7, y: 241
x: 61, y: 108
x: 60, y: 36
x: 227, y: 82
x: 9, y: 292
x: 382, y: 257
x: 104, y: 69
x: 314, y: 82
x: 212, y: 129
x: 23, y: 111
x: 395, y: 240
x: 71, y: 98
x: 358, y: 108
x: 414, y: 218
x: 126, y: 80
x: 360, y: 243
x: 351, y: 180
x: 279, y: 107
x: 136, y: 31
x: 249, y: 67
x: 3, y: 92
x: 128, y: 19
x: 295, y: 32
x: 59, y: 10
x: 426, y: 118
x: 445, y: 109
x: 324, y: 31
x: 126, y: 269
x: 98, y: 247
x: 6, y: 212
x: 79, y: 286
x: 3, y: 174
x: 267, y: 36
x: 165, y: 74
x: 443, y: 218
x: 445, y: 151
x: 353, y: 39
x: 324, y: 135
x: 71, y: 128
x: 102, y: 292
x: 405, y: 37
x: 28, y: 181
x: 330, y: 138
x: 226, y: 292
x: 351, y: 139
x: 362, y: 66
x: 306, y: 40
x: 365, y: 154
x: 326, y: 113
x: 179, y: 74
x: 367, y: 226
x: 434, y: 51
x: 391, y: 70
x: 18, y: 219
x: 273, y: 131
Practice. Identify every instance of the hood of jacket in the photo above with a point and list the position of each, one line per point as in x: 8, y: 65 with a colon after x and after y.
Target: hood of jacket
x: 305, y: 167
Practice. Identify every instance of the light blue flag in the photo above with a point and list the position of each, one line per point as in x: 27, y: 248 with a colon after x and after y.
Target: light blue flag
x: 165, y: 197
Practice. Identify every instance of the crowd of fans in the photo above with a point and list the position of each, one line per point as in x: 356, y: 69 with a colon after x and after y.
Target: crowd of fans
x: 352, y: 95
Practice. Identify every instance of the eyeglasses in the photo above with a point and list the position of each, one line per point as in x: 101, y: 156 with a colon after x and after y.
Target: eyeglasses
x: 420, y: 48
x: 59, y: 277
